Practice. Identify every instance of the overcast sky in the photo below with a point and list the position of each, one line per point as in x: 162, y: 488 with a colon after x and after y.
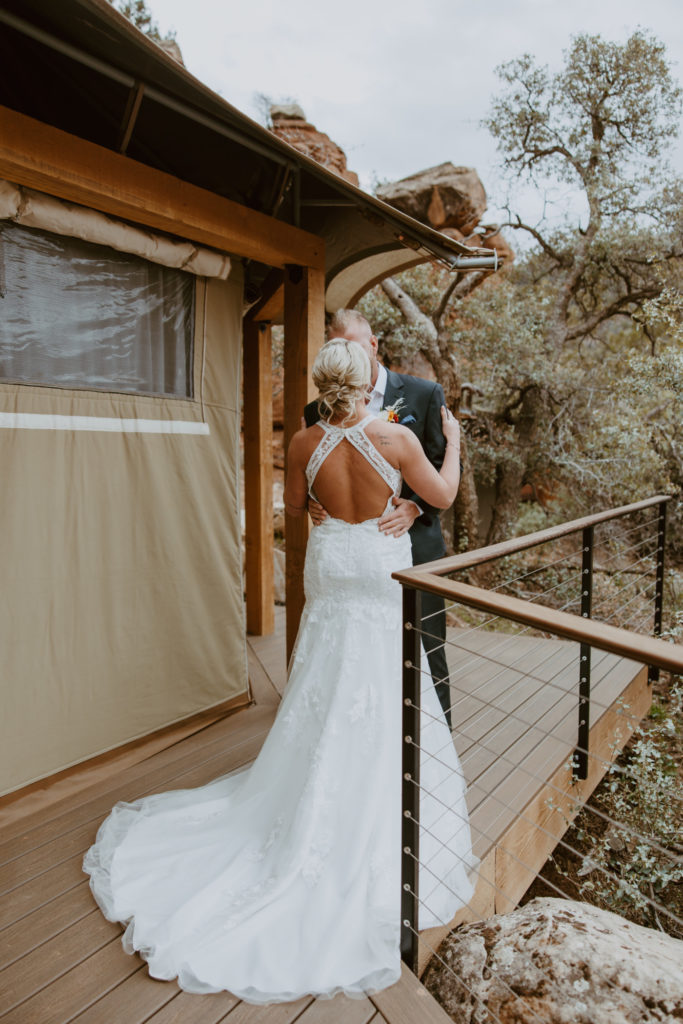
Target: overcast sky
x: 400, y: 85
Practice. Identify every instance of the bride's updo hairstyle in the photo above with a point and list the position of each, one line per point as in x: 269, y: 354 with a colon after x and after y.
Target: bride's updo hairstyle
x: 341, y: 373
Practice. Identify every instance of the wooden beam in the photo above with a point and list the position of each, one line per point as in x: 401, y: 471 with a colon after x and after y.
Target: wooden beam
x: 130, y: 115
x: 258, y: 477
x: 271, y: 304
x: 648, y: 650
x: 304, y: 334
x: 45, y: 158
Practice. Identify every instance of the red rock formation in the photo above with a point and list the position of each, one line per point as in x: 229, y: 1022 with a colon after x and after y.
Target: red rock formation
x: 450, y: 199
x: 290, y: 124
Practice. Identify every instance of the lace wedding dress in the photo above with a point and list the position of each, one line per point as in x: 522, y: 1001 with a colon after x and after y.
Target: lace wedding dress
x: 283, y: 879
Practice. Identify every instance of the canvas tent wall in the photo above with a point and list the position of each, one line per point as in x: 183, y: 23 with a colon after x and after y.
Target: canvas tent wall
x: 107, y: 121
x: 119, y: 524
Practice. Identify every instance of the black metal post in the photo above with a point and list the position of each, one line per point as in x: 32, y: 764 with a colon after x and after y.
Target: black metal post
x: 580, y: 762
x: 653, y: 673
x: 410, y: 832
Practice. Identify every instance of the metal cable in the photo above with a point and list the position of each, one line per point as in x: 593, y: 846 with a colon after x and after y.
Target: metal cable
x: 498, y: 755
x: 506, y: 668
x: 490, y: 1013
x: 579, y: 803
x: 626, y: 586
x: 560, y: 842
x: 620, y: 609
x: 538, y: 568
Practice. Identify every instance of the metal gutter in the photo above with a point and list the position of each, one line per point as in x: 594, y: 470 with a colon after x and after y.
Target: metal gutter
x: 408, y: 231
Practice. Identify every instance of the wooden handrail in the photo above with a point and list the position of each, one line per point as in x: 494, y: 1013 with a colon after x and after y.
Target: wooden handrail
x: 645, y: 649
x: 508, y: 547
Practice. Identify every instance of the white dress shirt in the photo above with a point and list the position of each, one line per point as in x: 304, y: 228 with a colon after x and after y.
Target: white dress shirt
x: 377, y: 401
x: 377, y: 396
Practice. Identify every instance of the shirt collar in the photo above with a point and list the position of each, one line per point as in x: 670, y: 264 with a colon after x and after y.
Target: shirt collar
x: 381, y: 382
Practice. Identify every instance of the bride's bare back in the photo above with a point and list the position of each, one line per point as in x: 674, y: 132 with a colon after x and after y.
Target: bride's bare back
x: 348, y: 485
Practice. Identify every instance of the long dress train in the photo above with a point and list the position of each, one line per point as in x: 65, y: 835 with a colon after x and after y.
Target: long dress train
x: 283, y: 879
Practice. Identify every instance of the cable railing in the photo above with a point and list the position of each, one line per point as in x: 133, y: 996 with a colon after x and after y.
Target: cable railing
x: 528, y: 654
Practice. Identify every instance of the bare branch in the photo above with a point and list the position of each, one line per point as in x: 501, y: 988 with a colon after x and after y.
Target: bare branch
x: 409, y: 308
x: 459, y: 287
x: 615, y: 308
x: 562, y: 261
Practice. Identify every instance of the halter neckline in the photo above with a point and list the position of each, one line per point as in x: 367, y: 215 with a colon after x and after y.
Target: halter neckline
x: 355, y: 435
x: 354, y: 426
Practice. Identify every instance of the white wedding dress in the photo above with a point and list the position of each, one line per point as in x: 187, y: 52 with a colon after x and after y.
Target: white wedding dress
x: 283, y: 879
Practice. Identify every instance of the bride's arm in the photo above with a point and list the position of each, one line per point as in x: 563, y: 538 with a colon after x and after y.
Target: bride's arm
x: 437, y: 488
x: 296, y: 487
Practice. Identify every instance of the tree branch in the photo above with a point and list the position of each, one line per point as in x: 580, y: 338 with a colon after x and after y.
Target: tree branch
x: 459, y: 287
x: 409, y: 308
x: 562, y: 261
x: 615, y: 308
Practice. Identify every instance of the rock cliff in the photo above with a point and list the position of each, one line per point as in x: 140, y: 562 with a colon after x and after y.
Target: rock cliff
x: 289, y: 123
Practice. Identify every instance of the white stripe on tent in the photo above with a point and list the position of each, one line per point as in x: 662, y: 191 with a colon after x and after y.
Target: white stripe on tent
x: 40, y: 421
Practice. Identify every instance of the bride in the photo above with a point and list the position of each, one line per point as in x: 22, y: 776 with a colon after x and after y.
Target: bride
x: 283, y: 879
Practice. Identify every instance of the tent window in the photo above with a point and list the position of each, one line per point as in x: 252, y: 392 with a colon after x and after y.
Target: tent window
x: 78, y: 315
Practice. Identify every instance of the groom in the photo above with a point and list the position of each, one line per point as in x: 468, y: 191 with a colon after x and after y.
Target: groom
x: 417, y: 404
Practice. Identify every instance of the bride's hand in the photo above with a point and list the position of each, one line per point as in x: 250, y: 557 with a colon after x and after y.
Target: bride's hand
x: 450, y: 427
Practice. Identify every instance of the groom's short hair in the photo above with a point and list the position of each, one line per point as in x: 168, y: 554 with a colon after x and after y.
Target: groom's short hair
x: 343, y: 319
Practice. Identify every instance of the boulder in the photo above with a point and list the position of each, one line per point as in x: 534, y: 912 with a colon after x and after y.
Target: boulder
x: 289, y: 123
x: 560, y: 962
x: 443, y: 197
x: 287, y: 112
x: 171, y: 47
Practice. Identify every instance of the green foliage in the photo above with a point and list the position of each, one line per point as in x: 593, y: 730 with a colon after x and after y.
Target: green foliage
x: 575, y: 353
x: 612, y: 108
x: 139, y: 13
x: 636, y: 862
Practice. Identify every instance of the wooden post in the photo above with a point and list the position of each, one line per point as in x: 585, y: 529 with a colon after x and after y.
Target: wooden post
x: 304, y: 334
x: 258, y: 477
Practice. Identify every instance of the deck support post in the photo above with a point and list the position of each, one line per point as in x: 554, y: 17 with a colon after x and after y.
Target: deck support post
x: 258, y: 477
x: 653, y: 672
x: 580, y: 760
x: 304, y: 334
x: 410, y: 820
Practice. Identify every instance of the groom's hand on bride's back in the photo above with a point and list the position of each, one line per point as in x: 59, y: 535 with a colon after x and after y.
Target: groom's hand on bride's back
x: 316, y: 512
x: 400, y: 518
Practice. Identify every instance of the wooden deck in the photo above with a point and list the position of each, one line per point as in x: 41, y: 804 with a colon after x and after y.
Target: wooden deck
x: 60, y: 961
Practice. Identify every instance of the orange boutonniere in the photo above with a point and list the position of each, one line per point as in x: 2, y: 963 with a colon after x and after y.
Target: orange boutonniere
x: 390, y: 413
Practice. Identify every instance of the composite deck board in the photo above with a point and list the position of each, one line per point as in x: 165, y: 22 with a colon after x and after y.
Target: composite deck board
x: 230, y: 735
x: 134, y: 1001
x: 50, y: 919
x: 54, y: 958
x: 238, y: 748
x: 34, y: 894
x: 77, y: 989
x: 276, y: 1013
x: 328, y: 1011
x: 61, y: 962
x: 408, y: 1002
x: 183, y: 1008
x: 271, y: 652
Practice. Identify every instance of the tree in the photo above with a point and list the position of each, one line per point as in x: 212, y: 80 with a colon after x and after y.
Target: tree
x: 139, y: 13
x: 533, y: 337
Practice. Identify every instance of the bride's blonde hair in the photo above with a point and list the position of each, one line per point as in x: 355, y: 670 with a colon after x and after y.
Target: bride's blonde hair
x: 341, y: 373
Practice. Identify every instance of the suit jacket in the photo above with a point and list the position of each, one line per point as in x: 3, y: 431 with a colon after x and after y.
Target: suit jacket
x: 420, y: 411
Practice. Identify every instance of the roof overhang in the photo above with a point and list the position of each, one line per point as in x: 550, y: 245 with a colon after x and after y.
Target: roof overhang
x: 81, y: 66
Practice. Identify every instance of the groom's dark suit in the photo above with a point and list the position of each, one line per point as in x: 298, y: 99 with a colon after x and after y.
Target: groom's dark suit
x: 419, y: 409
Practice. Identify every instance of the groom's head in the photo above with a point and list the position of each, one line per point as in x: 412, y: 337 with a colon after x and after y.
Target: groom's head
x: 348, y: 324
